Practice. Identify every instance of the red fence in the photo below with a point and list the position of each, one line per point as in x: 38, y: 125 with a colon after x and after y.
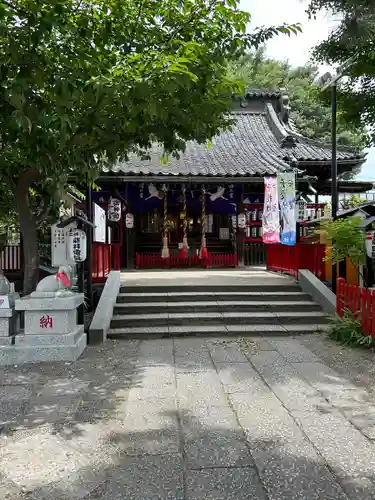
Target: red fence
x: 154, y: 260
x: 222, y: 260
x: 290, y: 259
x: 10, y: 258
x: 105, y: 258
x: 360, y: 301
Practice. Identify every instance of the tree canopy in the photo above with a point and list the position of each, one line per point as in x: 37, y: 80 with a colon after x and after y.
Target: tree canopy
x: 354, y: 39
x: 83, y: 84
x: 310, y: 114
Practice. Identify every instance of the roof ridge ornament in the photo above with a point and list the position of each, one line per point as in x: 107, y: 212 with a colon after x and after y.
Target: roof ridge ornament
x: 244, y: 102
x: 284, y: 106
x: 282, y: 135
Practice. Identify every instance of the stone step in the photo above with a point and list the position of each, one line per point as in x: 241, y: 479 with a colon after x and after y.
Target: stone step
x: 223, y: 289
x: 214, y: 331
x: 214, y: 306
x: 131, y: 298
x: 217, y: 318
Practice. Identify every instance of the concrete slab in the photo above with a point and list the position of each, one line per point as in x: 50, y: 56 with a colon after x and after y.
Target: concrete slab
x: 224, y: 484
x: 159, y: 420
x: 145, y: 478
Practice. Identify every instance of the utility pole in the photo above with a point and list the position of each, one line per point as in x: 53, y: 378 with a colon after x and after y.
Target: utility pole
x: 89, y: 246
x: 334, y: 187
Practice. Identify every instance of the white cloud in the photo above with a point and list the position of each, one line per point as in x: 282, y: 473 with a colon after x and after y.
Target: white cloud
x: 295, y: 49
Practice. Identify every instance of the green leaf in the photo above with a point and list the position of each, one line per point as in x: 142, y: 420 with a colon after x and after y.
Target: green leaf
x: 84, y: 84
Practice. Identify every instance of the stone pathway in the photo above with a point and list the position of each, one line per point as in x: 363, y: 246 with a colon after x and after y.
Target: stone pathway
x: 188, y: 419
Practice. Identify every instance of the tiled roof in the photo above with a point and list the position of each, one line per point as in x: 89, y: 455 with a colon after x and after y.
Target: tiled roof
x: 258, y: 144
x: 236, y: 152
x: 302, y: 148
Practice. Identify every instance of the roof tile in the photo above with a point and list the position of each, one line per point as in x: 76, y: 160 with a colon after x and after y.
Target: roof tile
x: 252, y: 147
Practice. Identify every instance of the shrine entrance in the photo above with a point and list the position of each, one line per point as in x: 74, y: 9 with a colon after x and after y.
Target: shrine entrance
x: 150, y: 227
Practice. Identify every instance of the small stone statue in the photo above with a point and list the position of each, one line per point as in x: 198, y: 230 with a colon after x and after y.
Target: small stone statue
x: 56, y: 285
x: 4, y: 284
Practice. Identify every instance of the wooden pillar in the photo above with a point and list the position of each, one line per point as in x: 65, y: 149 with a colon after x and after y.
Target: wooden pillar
x: 129, y: 236
x: 126, y: 231
x: 89, y: 232
x: 316, y: 203
x: 165, y: 249
x: 241, y: 232
x: 185, y: 244
x: 203, y: 250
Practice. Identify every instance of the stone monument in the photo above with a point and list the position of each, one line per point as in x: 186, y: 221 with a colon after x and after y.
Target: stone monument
x: 51, y: 332
x: 9, y: 317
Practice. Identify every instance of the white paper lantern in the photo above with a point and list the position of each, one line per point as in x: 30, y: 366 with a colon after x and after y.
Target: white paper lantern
x: 114, y: 210
x: 129, y: 221
x: 241, y: 221
x: 77, y: 245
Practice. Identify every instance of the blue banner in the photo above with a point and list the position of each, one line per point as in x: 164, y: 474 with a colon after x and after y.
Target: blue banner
x: 287, y: 200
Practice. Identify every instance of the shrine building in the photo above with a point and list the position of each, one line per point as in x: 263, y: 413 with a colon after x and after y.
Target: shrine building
x: 185, y: 213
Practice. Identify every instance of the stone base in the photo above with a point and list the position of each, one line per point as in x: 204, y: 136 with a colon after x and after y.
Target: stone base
x: 44, y: 348
x: 9, y: 322
x: 10, y: 340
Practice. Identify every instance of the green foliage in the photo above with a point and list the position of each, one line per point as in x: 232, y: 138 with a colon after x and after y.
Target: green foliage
x: 309, y: 113
x: 347, y: 239
x: 352, y: 202
x: 354, y: 38
x: 84, y: 84
x: 348, y: 331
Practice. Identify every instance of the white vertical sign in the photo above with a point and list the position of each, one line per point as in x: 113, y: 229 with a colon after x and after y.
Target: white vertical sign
x: 100, y: 224
x: 301, y: 211
x: 77, y: 245
x: 59, y: 245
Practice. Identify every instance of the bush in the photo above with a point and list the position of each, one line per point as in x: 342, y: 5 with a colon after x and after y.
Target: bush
x: 347, y: 240
x: 348, y: 331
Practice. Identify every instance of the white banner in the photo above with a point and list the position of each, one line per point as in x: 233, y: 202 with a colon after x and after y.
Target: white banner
x: 287, y: 199
x: 271, y: 219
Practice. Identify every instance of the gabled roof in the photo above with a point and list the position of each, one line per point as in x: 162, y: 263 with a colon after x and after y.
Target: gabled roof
x: 261, y: 142
x: 367, y: 207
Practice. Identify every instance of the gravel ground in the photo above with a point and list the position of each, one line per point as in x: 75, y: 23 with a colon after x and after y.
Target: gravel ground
x: 354, y: 363
x: 192, y: 419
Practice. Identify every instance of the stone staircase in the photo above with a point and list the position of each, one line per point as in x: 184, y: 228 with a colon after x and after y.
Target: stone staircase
x: 149, y: 311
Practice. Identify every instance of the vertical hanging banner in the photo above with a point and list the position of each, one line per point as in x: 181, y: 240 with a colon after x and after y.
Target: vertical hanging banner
x: 271, y: 219
x: 287, y: 198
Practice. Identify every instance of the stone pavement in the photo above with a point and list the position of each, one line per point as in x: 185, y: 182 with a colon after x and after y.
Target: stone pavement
x: 255, y: 275
x: 186, y: 419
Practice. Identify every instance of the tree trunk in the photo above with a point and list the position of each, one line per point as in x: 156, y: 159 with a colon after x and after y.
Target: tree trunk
x: 28, y: 229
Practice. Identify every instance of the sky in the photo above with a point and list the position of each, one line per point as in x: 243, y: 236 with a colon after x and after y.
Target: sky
x: 297, y: 49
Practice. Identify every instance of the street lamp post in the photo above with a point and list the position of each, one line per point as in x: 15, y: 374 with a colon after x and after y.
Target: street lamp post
x: 334, y: 186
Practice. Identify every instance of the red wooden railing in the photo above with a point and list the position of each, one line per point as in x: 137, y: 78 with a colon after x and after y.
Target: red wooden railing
x: 360, y: 301
x: 11, y: 258
x: 222, y: 260
x: 154, y: 260
x: 105, y: 258
x: 290, y: 259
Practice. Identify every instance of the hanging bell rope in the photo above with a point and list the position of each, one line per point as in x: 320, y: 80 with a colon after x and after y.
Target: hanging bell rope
x: 185, y: 245
x: 165, y: 249
x: 203, y: 251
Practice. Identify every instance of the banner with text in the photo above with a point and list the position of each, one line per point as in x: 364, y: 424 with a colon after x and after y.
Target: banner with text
x: 271, y: 219
x: 287, y: 199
